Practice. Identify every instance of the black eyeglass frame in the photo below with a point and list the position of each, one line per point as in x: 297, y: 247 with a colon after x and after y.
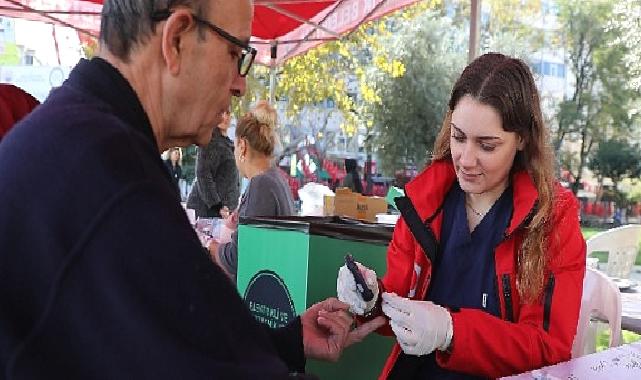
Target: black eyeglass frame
x: 162, y: 15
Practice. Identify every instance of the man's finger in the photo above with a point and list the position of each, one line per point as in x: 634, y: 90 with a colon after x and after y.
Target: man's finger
x: 359, y: 333
x: 338, y: 323
x: 333, y: 304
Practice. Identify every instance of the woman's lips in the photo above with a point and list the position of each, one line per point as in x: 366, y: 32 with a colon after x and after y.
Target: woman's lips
x: 468, y: 176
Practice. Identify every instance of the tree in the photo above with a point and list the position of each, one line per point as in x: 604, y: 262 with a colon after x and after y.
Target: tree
x: 324, y: 73
x: 407, y: 110
x: 616, y: 159
x: 600, y: 103
x: 627, y: 21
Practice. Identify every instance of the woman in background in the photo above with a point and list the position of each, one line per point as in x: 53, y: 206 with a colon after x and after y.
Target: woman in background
x: 173, y: 161
x: 267, y: 194
x: 352, y: 179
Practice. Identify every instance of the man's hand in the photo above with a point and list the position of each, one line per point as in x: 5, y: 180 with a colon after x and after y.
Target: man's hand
x: 326, y: 329
x: 231, y: 221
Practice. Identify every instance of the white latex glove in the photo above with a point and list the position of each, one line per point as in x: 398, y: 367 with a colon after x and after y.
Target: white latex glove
x: 420, y: 326
x: 346, y: 289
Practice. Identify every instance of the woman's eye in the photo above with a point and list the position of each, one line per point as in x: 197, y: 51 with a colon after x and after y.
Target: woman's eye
x: 487, y: 148
x: 459, y: 138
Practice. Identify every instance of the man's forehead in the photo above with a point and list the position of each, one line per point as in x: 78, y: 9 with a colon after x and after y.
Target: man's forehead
x: 234, y: 16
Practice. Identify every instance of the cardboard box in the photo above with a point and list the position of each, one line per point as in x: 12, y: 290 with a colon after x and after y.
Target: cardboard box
x: 353, y: 205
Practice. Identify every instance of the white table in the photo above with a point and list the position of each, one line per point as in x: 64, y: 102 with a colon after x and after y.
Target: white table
x: 618, y: 363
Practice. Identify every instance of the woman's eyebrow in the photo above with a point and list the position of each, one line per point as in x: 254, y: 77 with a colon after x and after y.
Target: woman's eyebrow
x: 484, y: 138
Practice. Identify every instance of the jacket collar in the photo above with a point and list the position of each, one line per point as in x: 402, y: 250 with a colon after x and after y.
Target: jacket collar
x: 429, y: 189
x: 103, y: 81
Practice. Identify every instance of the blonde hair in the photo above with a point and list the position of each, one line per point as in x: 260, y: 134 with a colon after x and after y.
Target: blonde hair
x: 258, y: 128
x: 506, y: 84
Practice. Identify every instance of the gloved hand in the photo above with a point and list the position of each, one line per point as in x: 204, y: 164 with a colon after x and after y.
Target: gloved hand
x: 346, y: 289
x: 420, y: 326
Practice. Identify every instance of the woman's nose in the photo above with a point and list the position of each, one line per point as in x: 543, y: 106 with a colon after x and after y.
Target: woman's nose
x: 468, y: 155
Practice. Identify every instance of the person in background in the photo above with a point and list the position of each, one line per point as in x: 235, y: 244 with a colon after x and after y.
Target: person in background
x: 267, y: 193
x: 352, y: 179
x: 485, y: 268
x: 101, y: 274
x: 173, y: 161
x: 216, y: 188
x: 15, y: 104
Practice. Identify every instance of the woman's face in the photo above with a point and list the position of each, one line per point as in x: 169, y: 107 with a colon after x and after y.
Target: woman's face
x: 175, y: 156
x: 482, y: 152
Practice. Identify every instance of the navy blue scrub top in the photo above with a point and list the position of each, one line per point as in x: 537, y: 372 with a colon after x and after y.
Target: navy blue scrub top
x: 464, y: 275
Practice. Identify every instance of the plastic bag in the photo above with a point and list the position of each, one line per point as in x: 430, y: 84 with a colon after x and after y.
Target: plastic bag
x: 312, y: 198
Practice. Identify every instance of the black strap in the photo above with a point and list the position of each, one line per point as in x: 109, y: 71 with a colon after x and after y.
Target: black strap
x: 408, y: 366
x: 421, y: 231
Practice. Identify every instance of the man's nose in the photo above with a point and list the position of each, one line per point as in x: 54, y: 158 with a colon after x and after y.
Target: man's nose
x: 239, y: 86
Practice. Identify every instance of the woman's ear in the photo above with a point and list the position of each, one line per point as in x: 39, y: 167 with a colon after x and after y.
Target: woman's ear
x: 242, y: 147
x: 520, y: 145
x: 173, y: 38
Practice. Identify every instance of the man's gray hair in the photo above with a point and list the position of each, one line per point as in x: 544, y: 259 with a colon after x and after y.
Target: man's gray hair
x: 126, y: 23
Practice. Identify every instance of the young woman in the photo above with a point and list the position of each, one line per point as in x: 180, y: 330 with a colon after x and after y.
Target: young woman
x: 497, y: 289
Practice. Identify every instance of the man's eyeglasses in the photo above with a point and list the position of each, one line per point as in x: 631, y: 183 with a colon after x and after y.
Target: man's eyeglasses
x: 247, y: 53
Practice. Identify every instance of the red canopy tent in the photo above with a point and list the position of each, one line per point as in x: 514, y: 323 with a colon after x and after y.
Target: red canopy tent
x: 281, y: 29
x: 294, y: 26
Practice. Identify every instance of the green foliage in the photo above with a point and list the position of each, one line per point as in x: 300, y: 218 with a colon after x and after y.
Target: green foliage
x: 626, y: 21
x: 407, y: 111
x: 603, y: 338
x: 325, y: 72
x: 616, y: 159
x: 600, y: 105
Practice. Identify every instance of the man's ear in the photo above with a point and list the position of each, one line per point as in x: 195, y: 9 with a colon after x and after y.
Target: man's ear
x: 173, y: 36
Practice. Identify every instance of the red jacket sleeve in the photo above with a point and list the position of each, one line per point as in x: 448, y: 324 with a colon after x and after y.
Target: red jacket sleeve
x: 486, y: 345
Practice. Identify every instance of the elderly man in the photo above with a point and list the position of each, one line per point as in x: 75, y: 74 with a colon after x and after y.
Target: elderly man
x: 101, y: 275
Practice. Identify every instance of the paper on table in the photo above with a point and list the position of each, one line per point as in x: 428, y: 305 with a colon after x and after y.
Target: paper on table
x: 623, y: 362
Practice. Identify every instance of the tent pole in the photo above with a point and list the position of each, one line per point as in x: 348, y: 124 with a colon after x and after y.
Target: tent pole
x: 475, y: 30
x: 272, y: 70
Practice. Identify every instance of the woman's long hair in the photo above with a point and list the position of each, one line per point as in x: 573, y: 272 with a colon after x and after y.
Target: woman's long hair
x: 506, y: 84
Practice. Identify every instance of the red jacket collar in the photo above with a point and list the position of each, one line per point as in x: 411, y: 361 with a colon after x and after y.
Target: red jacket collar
x: 428, y: 190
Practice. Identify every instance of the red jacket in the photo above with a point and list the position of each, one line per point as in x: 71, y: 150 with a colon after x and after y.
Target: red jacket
x: 542, y: 332
x: 15, y: 104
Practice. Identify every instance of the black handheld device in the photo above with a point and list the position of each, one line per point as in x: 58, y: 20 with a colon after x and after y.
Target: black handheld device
x: 361, y: 286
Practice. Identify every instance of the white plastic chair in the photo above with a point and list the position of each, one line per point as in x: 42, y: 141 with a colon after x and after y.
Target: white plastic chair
x: 622, y: 245
x: 601, y: 298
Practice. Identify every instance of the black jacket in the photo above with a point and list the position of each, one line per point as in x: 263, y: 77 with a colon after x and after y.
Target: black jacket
x: 101, y: 274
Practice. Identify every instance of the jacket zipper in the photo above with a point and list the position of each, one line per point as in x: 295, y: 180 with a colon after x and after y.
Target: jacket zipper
x: 547, y: 305
x: 507, y: 297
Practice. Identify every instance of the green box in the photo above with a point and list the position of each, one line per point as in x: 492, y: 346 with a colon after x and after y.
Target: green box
x: 285, y: 265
